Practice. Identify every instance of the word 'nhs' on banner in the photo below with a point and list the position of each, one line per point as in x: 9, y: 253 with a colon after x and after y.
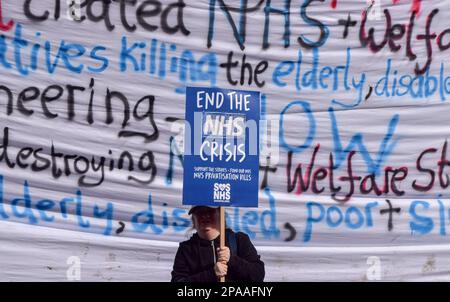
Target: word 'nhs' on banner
x: 220, y: 124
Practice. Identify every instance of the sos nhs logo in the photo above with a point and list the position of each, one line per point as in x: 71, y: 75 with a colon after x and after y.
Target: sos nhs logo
x: 222, y: 192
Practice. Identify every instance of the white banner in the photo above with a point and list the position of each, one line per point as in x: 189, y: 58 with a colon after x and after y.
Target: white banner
x: 354, y: 166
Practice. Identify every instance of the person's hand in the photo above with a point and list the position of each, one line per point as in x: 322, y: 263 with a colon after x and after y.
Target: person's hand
x: 220, y: 269
x: 223, y: 254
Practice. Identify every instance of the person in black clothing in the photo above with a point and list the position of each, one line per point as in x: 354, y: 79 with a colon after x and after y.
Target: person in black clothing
x: 200, y: 259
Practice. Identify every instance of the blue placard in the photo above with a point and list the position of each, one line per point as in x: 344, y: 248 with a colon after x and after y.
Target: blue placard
x: 221, y: 147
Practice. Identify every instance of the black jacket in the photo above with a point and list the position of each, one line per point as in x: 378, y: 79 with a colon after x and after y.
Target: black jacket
x: 196, y: 257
